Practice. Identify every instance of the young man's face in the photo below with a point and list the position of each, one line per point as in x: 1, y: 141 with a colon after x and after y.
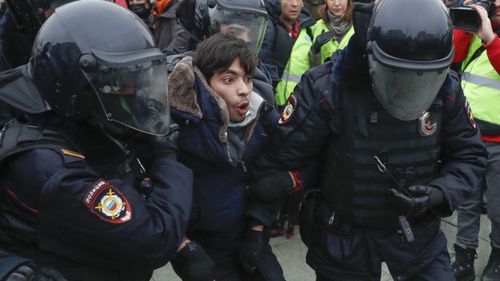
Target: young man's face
x: 235, y: 87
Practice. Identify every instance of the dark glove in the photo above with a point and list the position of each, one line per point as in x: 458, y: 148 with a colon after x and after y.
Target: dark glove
x: 420, y: 199
x: 33, y: 272
x: 165, y: 146
x: 251, y: 248
x: 321, y: 40
x: 272, y: 188
x: 191, y: 263
x: 361, y: 16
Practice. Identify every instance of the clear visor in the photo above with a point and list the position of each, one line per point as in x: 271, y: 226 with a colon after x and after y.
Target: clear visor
x: 134, y: 96
x: 406, y: 89
x: 250, y: 27
x: 405, y: 94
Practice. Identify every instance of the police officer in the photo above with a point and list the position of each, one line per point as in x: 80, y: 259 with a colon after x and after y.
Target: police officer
x: 91, y: 186
x: 398, y: 145
x: 18, y: 27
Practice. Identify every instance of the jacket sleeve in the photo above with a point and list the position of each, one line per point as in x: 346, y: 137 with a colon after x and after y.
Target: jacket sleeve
x: 300, y: 134
x: 105, y: 221
x: 461, y: 41
x: 463, y: 154
x: 493, y: 51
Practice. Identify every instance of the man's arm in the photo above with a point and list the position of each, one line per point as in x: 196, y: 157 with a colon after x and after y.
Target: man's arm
x: 300, y: 134
x: 463, y: 154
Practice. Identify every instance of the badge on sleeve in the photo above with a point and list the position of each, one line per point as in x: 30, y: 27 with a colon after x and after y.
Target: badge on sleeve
x: 287, y: 112
x: 106, y: 202
x: 468, y: 111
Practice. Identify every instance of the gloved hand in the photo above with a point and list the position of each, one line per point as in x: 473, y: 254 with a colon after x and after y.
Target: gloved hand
x: 34, y: 272
x: 272, y: 188
x: 251, y: 248
x: 422, y: 199
x: 321, y: 40
x: 361, y: 16
x: 165, y: 146
x: 191, y: 263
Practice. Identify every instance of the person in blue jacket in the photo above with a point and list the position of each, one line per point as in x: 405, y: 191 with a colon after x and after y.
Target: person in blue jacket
x: 224, y: 127
x: 397, y: 144
x: 91, y: 186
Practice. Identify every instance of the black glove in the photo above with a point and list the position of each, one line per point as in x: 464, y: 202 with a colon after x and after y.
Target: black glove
x: 361, y: 16
x: 251, y: 248
x: 321, y: 40
x: 272, y: 188
x: 191, y: 263
x: 165, y: 146
x: 33, y: 272
x: 420, y: 199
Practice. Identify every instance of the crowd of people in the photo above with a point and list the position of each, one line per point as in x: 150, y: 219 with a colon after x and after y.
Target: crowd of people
x: 140, y: 132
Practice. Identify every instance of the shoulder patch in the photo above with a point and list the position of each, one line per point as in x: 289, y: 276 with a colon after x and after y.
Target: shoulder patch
x: 288, y: 110
x: 108, y: 203
x: 468, y: 111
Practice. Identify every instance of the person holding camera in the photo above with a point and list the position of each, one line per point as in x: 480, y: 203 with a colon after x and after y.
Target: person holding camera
x: 479, y: 54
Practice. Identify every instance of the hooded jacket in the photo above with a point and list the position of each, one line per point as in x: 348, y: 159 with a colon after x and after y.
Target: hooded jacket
x: 221, y: 154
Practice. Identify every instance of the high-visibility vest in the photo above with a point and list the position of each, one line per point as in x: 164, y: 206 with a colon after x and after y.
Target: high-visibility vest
x: 481, y: 85
x: 298, y: 63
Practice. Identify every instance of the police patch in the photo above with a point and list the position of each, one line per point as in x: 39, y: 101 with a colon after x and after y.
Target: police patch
x: 106, y: 202
x: 427, y: 128
x: 287, y: 112
x: 468, y: 112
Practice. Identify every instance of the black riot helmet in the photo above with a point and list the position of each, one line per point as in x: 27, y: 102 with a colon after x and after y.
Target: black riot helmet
x: 245, y: 19
x: 29, y: 15
x: 96, y: 61
x: 409, y: 53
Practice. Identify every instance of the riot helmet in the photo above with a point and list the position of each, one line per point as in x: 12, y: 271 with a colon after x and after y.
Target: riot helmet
x: 96, y: 61
x: 29, y: 15
x: 409, y: 58
x: 245, y: 19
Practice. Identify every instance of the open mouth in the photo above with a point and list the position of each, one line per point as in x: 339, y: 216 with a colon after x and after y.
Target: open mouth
x: 242, y: 108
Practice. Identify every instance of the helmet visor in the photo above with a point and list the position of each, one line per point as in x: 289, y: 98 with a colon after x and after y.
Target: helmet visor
x: 406, y: 89
x: 133, y: 94
x: 250, y: 27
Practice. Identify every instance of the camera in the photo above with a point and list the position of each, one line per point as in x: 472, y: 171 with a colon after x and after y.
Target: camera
x: 466, y: 18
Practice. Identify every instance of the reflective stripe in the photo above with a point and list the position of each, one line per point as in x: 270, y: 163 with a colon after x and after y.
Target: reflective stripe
x: 291, y: 77
x: 483, y: 81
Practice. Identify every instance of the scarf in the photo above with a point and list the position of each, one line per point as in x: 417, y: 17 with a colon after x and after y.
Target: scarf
x: 338, y: 26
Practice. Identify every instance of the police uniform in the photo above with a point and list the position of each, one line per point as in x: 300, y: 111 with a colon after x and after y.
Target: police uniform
x: 76, y: 200
x: 365, y: 151
x: 90, y: 184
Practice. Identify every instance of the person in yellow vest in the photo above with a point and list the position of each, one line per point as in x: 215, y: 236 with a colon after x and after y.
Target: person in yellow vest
x: 315, y: 44
x: 479, y: 54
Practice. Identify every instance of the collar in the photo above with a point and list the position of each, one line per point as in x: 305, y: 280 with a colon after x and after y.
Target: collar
x: 294, y: 30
